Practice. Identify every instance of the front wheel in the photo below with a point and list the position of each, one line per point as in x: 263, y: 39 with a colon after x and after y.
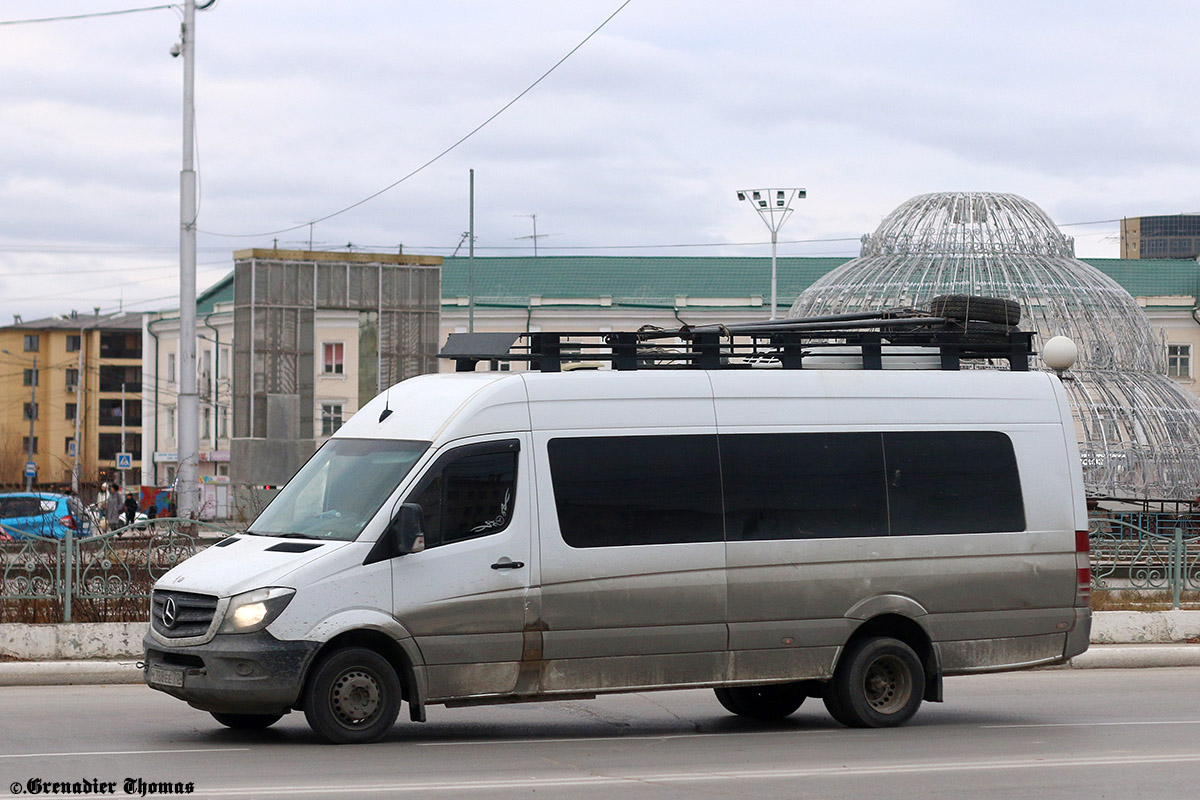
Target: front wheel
x: 247, y: 722
x: 773, y: 701
x: 879, y: 683
x: 352, y: 697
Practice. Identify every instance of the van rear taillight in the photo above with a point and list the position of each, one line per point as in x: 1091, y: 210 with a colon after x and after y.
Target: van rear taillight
x: 1083, y: 569
x: 67, y: 521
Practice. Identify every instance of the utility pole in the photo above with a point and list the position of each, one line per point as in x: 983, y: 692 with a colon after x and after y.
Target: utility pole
x: 123, y: 486
x: 188, y: 495
x: 471, y: 259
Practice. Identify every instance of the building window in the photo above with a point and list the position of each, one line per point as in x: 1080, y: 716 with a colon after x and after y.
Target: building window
x: 171, y: 422
x: 206, y: 423
x: 31, y: 411
x: 71, y: 411
x: 331, y: 418
x: 170, y: 367
x: 334, y: 358
x: 70, y: 440
x: 31, y: 377
x: 72, y: 376
x: 25, y: 444
x: 73, y: 343
x: 32, y: 342
x: 1179, y: 360
x: 223, y: 424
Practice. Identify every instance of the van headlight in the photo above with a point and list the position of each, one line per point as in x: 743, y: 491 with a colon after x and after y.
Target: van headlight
x: 253, y: 611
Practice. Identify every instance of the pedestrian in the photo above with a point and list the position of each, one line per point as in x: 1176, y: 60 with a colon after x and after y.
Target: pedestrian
x: 113, y: 506
x: 131, y: 510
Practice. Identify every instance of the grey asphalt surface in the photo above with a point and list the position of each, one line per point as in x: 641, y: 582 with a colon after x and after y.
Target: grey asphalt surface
x: 1043, y: 733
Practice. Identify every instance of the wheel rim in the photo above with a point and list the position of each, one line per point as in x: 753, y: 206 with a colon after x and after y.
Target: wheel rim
x: 355, y: 698
x: 887, y: 684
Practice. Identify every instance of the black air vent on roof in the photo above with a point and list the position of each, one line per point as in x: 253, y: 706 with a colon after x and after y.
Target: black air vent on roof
x: 293, y: 547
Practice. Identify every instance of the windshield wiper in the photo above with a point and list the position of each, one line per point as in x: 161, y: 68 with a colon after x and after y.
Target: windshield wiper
x: 282, y: 535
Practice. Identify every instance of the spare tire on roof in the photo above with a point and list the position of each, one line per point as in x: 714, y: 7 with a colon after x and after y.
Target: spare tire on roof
x: 969, y: 308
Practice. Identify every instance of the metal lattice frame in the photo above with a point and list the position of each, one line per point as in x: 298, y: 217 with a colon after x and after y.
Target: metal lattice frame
x: 1139, y: 434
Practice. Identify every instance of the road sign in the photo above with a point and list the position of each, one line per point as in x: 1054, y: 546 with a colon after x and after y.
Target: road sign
x: 71, y: 451
x: 30, y: 469
x: 124, y: 460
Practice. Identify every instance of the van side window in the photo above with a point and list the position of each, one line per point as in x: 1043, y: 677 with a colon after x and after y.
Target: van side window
x: 636, y: 490
x: 804, y: 485
x: 952, y: 482
x: 469, y: 492
x: 828, y: 485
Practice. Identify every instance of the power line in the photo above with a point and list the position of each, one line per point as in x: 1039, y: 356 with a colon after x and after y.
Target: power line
x: 85, y: 16
x: 440, y: 155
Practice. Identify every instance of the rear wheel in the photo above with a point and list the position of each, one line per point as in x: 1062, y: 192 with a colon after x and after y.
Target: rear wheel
x: 879, y: 683
x: 773, y: 701
x: 352, y: 696
x: 247, y: 722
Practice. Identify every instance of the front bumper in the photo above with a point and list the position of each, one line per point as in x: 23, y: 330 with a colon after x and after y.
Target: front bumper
x: 244, y: 673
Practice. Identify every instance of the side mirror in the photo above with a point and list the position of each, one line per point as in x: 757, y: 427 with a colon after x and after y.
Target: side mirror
x: 410, y: 537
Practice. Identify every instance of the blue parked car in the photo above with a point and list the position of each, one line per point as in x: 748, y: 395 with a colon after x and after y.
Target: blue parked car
x: 44, y: 514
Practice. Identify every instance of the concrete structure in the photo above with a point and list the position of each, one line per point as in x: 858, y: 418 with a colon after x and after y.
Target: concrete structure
x: 1165, y: 236
x: 83, y: 362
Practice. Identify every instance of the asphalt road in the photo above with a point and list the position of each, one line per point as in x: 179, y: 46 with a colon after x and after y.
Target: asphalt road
x: 1052, y: 733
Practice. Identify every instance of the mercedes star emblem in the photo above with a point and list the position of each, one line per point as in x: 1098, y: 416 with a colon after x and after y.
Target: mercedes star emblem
x: 170, y: 613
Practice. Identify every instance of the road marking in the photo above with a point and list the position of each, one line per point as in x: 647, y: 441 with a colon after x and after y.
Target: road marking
x: 588, y: 781
x: 126, y: 752
x: 1095, y: 724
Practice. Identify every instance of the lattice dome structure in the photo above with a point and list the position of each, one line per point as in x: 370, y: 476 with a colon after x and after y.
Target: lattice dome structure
x: 1139, y: 434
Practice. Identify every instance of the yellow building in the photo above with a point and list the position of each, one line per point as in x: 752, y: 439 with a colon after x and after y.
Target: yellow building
x: 64, y: 376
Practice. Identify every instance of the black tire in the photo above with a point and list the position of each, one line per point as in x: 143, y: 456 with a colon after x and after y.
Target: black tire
x: 967, y: 308
x: 879, y: 683
x: 985, y: 333
x: 773, y: 701
x: 246, y: 722
x: 352, y: 697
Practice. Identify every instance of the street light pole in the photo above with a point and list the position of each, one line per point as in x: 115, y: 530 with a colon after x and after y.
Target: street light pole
x: 774, y: 206
x: 189, y: 403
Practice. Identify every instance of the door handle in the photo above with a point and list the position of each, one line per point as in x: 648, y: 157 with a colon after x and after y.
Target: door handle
x: 506, y: 564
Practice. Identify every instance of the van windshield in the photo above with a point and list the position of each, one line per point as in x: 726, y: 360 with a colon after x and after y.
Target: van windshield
x: 339, y: 490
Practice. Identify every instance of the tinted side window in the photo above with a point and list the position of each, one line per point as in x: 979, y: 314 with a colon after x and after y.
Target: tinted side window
x: 804, y: 485
x: 634, y: 490
x: 13, y: 507
x: 952, y: 482
x: 468, y: 493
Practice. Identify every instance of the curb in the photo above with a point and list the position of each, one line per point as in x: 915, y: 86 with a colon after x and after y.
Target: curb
x: 68, y: 673
x: 1137, y: 656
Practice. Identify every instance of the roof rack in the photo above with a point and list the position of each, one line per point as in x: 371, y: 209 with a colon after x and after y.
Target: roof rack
x: 786, y: 343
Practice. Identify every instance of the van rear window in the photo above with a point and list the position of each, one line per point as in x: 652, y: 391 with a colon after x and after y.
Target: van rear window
x: 632, y: 490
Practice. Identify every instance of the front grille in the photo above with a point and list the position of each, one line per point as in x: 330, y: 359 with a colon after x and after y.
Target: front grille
x: 193, y: 613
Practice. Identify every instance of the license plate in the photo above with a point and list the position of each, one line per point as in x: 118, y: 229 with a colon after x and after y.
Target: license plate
x: 165, y: 676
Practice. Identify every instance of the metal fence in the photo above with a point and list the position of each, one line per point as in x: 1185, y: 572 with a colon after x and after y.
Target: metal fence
x: 115, y: 570
x: 1146, y: 552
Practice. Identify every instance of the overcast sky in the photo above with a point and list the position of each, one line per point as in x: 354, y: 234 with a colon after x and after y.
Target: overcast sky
x: 636, y: 142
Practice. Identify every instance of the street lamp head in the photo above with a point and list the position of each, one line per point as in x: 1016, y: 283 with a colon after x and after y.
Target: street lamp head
x: 741, y: 196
